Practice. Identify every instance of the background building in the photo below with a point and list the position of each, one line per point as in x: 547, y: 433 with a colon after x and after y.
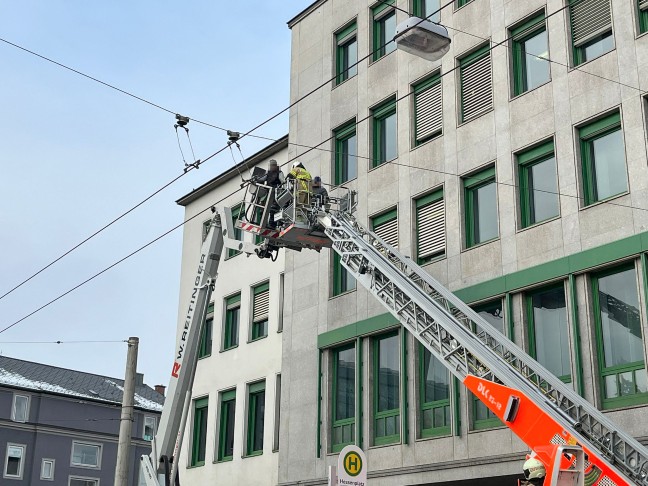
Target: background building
x: 60, y: 427
x: 519, y: 183
x: 232, y: 434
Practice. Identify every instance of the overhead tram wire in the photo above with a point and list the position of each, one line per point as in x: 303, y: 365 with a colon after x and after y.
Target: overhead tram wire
x: 65, y: 342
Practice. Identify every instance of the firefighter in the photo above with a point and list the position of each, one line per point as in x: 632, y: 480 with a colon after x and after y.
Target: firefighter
x: 302, y: 181
x: 534, y: 472
x: 274, y: 177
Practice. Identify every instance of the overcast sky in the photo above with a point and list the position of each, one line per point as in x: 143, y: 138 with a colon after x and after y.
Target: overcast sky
x: 75, y: 155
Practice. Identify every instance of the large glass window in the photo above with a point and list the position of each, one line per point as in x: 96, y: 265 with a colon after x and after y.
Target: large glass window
x: 149, y: 427
x: 20, y: 410
x: 199, y: 435
x: 232, y: 321
x: 481, y: 207
x: 206, y: 338
x: 642, y: 6
x: 237, y: 212
x: 548, y: 333
x: 603, y: 159
x: 226, y: 425
x: 430, y: 227
x: 386, y: 381
x: 385, y: 147
x: 538, y: 184
x: 260, y: 310
x: 384, y: 29
x: 530, y: 51
x: 591, y: 29
x: 475, y: 80
x: 346, y: 150
x: 256, y: 416
x: 619, y: 337
x: 434, y: 395
x: 343, y: 281
x: 428, y: 109
x: 385, y: 226
x: 86, y: 455
x: 15, y: 461
x: 343, y: 397
x: 346, y: 54
x: 428, y: 9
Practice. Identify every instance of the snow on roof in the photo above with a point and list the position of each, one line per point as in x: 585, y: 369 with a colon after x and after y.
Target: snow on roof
x: 45, y: 378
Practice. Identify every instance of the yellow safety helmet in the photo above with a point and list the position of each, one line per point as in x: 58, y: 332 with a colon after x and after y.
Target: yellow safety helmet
x: 534, y: 469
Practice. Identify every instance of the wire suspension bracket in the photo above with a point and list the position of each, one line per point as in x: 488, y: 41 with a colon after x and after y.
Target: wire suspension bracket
x: 182, y: 122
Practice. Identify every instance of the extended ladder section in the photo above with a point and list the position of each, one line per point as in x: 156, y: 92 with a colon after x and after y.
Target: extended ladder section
x: 472, y: 349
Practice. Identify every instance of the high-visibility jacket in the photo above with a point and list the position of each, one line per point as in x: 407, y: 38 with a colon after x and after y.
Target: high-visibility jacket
x: 302, y: 176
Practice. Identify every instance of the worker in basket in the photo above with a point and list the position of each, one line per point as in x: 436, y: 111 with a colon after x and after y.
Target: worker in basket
x: 302, y: 180
x: 274, y: 177
x: 534, y: 472
x: 320, y: 195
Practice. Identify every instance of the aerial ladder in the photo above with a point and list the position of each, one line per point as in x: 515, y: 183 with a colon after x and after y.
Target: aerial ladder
x: 578, y: 444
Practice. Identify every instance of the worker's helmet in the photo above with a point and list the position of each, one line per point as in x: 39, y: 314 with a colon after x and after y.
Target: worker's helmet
x: 534, y: 469
x: 272, y: 163
x: 317, y: 181
x: 296, y: 164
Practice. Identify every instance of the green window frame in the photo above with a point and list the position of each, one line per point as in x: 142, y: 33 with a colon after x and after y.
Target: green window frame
x: 543, y: 297
x: 385, y: 143
x: 493, y: 312
x: 589, y: 135
x: 226, y: 425
x: 521, y: 35
x: 232, y: 322
x: 255, y: 418
x: 384, y: 27
x: 626, y: 379
x: 476, y: 84
x: 428, y: 109
x: 386, y: 418
x: 427, y: 9
x: 199, y: 436
x: 435, y: 416
x: 260, y: 310
x: 343, y: 423
x: 430, y: 227
x: 343, y: 281
x: 532, y: 191
x: 461, y: 3
x: 346, y: 53
x: 642, y: 12
x: 474, y: 187
x: 346, y: 151
x: 591, y: 29
x: 238, y: 233
x: 385, y: 226
x: 206, y: 338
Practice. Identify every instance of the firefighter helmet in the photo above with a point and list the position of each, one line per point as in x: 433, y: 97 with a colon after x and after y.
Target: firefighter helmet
x: 534, y: 469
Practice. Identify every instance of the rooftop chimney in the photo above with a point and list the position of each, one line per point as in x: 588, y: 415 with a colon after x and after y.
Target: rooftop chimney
x: 160, y: 389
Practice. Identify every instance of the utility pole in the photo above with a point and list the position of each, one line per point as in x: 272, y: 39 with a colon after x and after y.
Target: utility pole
x: 126, y: 421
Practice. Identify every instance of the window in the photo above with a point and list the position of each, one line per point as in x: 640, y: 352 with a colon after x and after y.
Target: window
x: 547, y: 330
x: 428, y: 109
x: 281, y: 303
x: 256, y: 415
x: 480, y: 196
x: 343, y: 281
x: 538, y: 185
x: 226, y: 425
x: 343, y: 398
x: 277, y: 417
x: 206, y: 338
x: 385, y: 147
x: 427, y: 9
x: 199, y: 436
x: 346, y: 149
x: 591, y: 29
x: 386, y: 227
x: 86, y: 455
x: 260, y: 311
x: 619, y: 338
x: 47, y: 469
x: 14, y: 462
x: 434, y: 395
x: 643, y: 16
x: 530, y: 50
x: 347, y: 54
x: 20, y: 409
x: 483, y: 418
x: 237, y: 211
x: 232, y: 319
x: 386, y: 398
x: 384, y: 29
x: 475, y: 78
x: 206, y: 227
x: 77, y: 481
x: 461, y: 3
x: 430, y: 227
x: 603, y: 159
x: 149, y: 427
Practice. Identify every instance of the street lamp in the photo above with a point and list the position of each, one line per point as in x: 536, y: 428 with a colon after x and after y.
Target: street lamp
x: 422, y: 38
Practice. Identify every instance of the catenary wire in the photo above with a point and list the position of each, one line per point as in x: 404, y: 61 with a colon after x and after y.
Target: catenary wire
x: 64, y: 342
